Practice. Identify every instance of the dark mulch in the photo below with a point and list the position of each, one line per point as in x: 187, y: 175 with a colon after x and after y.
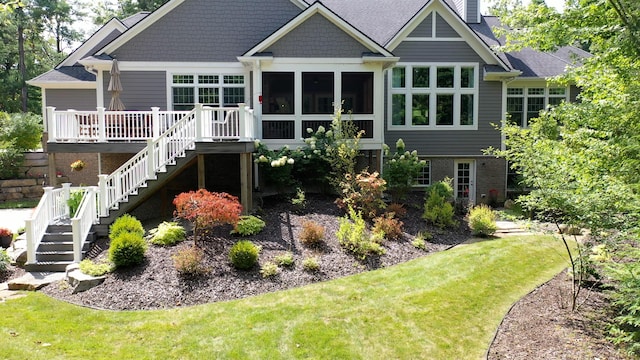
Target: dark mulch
x: 156, y: 283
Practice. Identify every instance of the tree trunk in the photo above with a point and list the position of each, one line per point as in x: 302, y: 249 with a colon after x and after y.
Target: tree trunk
x: 22, y: 67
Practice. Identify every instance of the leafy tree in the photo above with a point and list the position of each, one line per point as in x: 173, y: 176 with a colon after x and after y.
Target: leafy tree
x: 581, y: 159
x: 206, y: 210
x: 121, y: 9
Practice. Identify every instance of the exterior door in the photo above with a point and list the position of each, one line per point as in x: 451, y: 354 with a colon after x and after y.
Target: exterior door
x: 465, y: 180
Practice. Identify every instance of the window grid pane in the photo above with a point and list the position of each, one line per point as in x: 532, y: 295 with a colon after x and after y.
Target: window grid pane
x: 397, y: 77
x: 515, y: 91
x: 183, y: 79
x: 557, y: 91
x: 466, y: 109
x: 467, y: 77
x: 420, y: 113
x: 445, y: 77
x: 233, y: 96
x: 421, y: 77
x: 207, y: 79
x: 535, y: 91
x: 398, y: 109
x: 444, y: 109
x: 208, y: 96
x: 233, y: 79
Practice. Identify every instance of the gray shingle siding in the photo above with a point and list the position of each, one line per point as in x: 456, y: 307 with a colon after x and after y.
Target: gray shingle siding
x: 141, y: 89
x: 317, y: 37
x: 435, y: 51
x: 424, y: 29
x: 211, y: 31
x: 443, y: 29
x: 77, y: 99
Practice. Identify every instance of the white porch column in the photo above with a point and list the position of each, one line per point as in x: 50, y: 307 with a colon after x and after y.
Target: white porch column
x: 51, y: 123
x: 102, y: 134
x: 155, y: 111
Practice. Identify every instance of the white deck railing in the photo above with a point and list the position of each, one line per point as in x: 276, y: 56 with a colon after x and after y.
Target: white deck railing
x: 53, y: 207
x: 105, y: 126
x: 85, y: 217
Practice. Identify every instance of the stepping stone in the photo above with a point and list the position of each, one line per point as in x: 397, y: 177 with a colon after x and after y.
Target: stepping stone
x: 34, y: 280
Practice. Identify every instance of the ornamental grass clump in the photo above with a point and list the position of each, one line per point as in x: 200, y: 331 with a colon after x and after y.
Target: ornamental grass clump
x: 269, y: 269
x: 312, y: 233
x: 167, y: 234
x: 188, y: 261
x: 91, y: 268
x: 285, y: 259
x: 244, y: 255
x: 482, y: 221
x: 354, y: 237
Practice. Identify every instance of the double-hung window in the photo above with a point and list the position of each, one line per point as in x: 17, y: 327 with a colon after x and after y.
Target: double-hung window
x: 525, y: 103
x: 434, y: 96
x: 208, y: 89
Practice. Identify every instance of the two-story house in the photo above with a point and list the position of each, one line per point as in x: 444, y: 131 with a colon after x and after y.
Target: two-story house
x: 200, y: 80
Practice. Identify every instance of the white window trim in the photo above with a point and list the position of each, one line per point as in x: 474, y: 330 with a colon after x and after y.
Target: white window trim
x: 433, y: 91
x: 428, y: 163
x: 525, y: 96
x: 220, y: 85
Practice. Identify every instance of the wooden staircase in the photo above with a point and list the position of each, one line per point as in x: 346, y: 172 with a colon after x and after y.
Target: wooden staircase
x: 55, y: 251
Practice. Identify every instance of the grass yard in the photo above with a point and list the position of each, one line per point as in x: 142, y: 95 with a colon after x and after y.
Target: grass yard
x: 443, y: 306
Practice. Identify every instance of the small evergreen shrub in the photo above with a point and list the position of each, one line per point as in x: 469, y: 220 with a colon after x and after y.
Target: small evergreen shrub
x: 285, y: 259
x: 188, y: 261
x: 269, y: 269
x: 75, y: 198
x: 437, y: 210
x: 482, y: 220
x: 127, y: 249
x: 4, y: 261
x: 419, y: 243
x: 125, y: 224
x: 311, y: 264
x: 397, y: 209
x: 248, y: 225
x: 244, y: 255
x: 443, y: 188
x: 312, y: 233
x: 353, y: 236
x: 91, y: 268
x: 388, y: 226
x: 167, y: 234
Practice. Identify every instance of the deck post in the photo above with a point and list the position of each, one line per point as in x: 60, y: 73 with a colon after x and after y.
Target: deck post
x: 77, y: 241
x: 51, y: 123
x: 242, y: 126
x: 201, y: 172
x: 198, y: 122
x: 246, y: 193
x: 102, y: 134
x: 103, y: 195
x: 151, y: 161
x: 155, y: 116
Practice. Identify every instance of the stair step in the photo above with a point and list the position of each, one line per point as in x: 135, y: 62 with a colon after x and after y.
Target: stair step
x: 49, y: 256
x: 52, y: 266
x: 47, y: 246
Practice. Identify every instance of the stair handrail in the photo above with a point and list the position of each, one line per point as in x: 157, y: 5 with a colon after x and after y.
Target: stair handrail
x: 85, y: 217
x: 126, y: 180
x: 52, y: 206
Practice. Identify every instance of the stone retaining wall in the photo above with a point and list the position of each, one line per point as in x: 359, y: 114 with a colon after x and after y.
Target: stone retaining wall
x: 21, y: 189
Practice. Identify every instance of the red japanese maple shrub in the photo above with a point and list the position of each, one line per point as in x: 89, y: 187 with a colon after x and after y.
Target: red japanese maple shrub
x: 206, y: 210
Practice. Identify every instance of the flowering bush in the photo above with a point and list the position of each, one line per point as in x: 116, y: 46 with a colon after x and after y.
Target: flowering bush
x: 205, y: 209
x: 401, y: 169
x: 77, y: 165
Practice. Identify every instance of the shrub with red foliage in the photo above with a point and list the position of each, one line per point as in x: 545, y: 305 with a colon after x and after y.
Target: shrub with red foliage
x: 206, y: 209
x: 389, y: 226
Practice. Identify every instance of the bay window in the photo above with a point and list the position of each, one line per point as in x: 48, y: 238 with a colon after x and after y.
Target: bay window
x: 433, y: 96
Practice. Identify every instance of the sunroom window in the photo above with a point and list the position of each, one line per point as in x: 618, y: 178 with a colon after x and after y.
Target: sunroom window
x: 190, y: 89
x: 433, y: 96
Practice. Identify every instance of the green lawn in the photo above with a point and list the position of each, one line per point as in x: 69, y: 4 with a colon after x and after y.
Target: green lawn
x: 443, y: 306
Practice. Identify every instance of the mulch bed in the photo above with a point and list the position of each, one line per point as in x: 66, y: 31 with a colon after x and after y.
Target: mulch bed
x: 156, y: 284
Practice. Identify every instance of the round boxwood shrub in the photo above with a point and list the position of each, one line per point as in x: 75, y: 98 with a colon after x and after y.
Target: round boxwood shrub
x: 127, y: 249
x: 125, y: 224
x: 244, y: 255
